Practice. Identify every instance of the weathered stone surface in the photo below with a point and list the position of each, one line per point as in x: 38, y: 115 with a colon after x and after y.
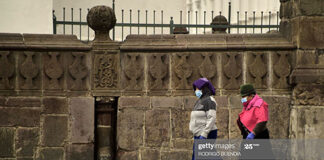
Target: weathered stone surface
x: 180, y: 143
x: 222, y: 121
x: 232, y: 70
x: 51, y: 154
x: 180, y: 124
x: 150, y: 154
x: 234, y: 131
x: 2, y: 101
x: 122, y: 155
x: 132, y: 65
x: 101, y: 19
x: 106, y: 71
x: 7, y: 70
x: 257, y: 73
x: 311, y: 7
x: 80, y: 152
x: 222, y: 101
x: 235, y: 101
x: 158, y: 71
x: 24, y: 102
x: 134, y: 102
x: 314, y: 125
x: 7, y: 142
x: 175, y: 155
x: 157, y: 133
x: 55, y: 130
x: 281, y: 68
x: 27, y: 140
x: 308, y: 94
x: 53, y: 78
x: 104, y: 141
x: 24, y: 158
x: 279, y: 112
x: 78, y: 69
x: 166, y: 102
x: 308, y: 32
x: 189, y: 102
x: 130, y: 122
x: 55, y: 105
x: 82, y: 112
x: 27, y: 117
x: 29, y: 69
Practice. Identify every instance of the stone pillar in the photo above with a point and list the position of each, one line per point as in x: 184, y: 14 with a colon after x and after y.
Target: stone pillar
x: 106, y: 77
x: 105, y: 52
x: 302, y: 23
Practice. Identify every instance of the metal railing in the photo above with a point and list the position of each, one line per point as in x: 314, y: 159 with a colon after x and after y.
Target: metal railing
x: 81, y: 28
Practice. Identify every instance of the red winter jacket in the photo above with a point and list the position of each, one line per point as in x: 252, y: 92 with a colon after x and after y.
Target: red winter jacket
x: 254, y: 113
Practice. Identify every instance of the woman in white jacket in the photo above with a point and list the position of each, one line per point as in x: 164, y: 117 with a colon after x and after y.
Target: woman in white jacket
x: 203, y: 116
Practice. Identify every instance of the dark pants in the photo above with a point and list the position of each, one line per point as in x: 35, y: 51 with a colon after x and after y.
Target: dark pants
x: 212, y: 135
x: 264, y: 150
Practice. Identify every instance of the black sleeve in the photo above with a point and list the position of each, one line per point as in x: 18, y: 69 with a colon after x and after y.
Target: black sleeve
x: 260, y: 127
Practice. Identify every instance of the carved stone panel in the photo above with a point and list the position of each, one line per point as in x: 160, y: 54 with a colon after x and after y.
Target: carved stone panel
x: 133, y: 71
x: 281, y: 69
x: 308, y: 94
x: 182, y: 71
x: 232, y: 70
x: 257, y: 66
x: 188, y: 67
x: 7, y: 70
x: 53, y: 71
x: 158, y: 76
x: 78, y: 71
x: 105, y: 71
x: 207, y: 67
x: 29, y: 69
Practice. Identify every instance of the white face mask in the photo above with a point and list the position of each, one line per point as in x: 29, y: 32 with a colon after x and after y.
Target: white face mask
x: 244, y: 99
x: 198, y: 93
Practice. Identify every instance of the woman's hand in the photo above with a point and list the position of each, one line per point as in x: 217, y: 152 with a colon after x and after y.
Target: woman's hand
x: 250, y: 136
x: 202, y: 137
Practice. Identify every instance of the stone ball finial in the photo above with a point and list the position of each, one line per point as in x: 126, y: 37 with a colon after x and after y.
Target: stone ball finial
x: 101, y: 19
x: 219, y: 20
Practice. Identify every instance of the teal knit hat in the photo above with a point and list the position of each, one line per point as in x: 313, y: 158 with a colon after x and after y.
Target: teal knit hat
x: 247, y: 89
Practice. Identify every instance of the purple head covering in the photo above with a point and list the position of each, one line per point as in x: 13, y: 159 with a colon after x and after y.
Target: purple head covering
x: 201, y: 82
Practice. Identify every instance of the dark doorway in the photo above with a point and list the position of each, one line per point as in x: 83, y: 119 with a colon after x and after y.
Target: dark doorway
x: 105, y: 130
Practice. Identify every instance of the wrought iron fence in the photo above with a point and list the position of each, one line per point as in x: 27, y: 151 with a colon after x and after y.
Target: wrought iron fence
x: 122, y: 29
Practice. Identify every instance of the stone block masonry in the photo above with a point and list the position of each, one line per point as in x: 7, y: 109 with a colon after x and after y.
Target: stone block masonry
x: 159, y: 125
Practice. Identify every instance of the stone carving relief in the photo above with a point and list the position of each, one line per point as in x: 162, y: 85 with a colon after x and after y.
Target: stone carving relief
x: 309, y: 94
x: 105, y: 71
x: 207, y: 69
x: 29, y: 71
x: 282, y: 69
x: 7, y: 70
x: 232, y: 70
x: 183, y: 71
x: 78, y: 71
x: 158, y: 71
x: 133, y: 71
x: 257, y: 68
x: 53, y: 70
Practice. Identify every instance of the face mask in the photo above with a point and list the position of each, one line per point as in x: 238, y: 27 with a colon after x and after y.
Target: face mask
x: 243, y: 100
x: 198, y: 93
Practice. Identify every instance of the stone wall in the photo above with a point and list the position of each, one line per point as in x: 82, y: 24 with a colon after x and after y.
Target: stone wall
x: 45, y: 110
x: 49, y: 84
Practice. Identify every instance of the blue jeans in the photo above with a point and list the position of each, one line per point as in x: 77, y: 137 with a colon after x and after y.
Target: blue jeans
x: 212, y: 135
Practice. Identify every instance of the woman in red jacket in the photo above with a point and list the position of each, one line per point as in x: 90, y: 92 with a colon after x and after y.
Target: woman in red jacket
x: 252, y: 121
